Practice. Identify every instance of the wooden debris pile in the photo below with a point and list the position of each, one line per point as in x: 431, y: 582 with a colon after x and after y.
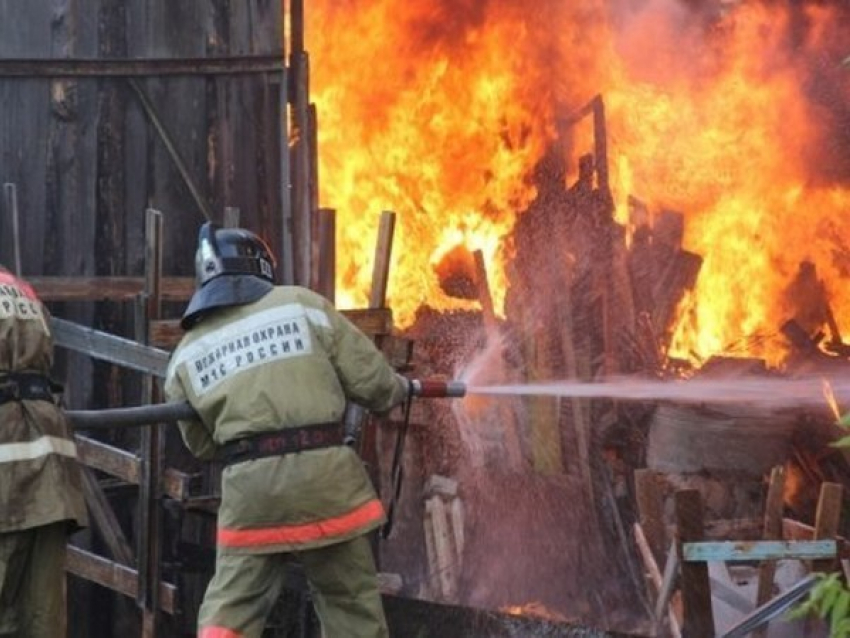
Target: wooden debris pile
x: 587, y: 302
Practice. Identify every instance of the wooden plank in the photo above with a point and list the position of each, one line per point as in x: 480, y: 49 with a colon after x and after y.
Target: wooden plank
x: 793, y: 530
x: 650, y: 510
x: 152, y: 443
x: 381, y: 266
x: 734, y: 528
x: 50, y: 68
x: 772, y: 531
x: 372, y: 321
x: 10, y: 193
x: 662, y: 586
x: 114, y: 576
x: 325, y: 258
x: 181, y: 486
x: 286, y: 256
x: 600, y: 147
x: 666, y: 593
x: 482, y: 285
x: 678, y: 276
x: 649, y: 562
x: 506, y: 416
x: 299, y: 66
x: 165, y: 334
x: 313, y: 195
x: 109, y: 347
x: 445, y: 563
x: 108, y: 459
x: 739, y: 551
x: 432, y: 579
x: 827, y: 520
x: 698, y: 621
x: 105, y: 520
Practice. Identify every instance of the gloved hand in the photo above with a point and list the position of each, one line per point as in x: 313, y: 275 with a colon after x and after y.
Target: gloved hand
x: 406, y: 385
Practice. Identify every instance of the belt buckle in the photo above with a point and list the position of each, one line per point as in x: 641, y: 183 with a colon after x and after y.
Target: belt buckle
x: 302, y: 440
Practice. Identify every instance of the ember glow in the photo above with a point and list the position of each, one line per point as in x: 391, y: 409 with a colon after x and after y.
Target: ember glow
x: 439, y: 110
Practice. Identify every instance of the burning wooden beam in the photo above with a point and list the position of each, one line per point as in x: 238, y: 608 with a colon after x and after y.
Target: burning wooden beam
x: 456, y: 272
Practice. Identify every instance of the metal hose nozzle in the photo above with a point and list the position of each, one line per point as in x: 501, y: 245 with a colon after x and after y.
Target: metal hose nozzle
x: 436, y: 389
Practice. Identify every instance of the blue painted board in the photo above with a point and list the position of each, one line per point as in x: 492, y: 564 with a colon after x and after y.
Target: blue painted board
x: 731, y: 551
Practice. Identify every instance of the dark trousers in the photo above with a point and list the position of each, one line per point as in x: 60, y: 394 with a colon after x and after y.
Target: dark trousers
x: 32, y: 582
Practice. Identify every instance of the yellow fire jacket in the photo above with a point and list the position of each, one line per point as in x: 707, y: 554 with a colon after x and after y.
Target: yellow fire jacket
x: 287, y: 360
x: 39, y: 476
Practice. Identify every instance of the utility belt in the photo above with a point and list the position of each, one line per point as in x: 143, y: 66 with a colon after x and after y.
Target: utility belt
x: 280, y: 442
x: 27, y: 386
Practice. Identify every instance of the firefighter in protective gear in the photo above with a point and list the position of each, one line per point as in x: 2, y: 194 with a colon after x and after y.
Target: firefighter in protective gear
x: 41, y: 498
x: 269, y: 369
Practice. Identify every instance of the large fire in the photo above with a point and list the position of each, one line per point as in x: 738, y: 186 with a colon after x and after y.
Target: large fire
x: 738, y: 117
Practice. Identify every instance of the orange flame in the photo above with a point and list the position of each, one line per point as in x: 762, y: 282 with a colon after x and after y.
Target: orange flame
x: 536, y: 610
x: 439, y: 111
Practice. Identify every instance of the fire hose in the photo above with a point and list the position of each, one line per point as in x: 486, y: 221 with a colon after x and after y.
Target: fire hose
x: 181, y: 410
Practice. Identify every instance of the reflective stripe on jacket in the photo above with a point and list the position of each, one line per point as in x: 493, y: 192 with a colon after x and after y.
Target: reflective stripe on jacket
x: 287, y: 360
x: 30, y: 450
x: 40, y: 480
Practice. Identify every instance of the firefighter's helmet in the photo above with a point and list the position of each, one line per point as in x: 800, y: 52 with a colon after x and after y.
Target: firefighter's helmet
x: 233, y: 266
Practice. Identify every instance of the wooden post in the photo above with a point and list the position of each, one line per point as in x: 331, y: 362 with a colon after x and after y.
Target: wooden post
x: 152, y: 441
x: 575, y: 368
x: 105, y: 519
x: 696, y: 587
x: 286, y: 257
x: 444, y: 536
x: 483, y: 289
x: 600, y: 150
x: 506, y: 417
x: 325, y: 259
x: 313, y: 195
x: 827, y: 519
x: 772, y: 531
x: 11, y: 193
x: 661, y: 586
x: 651, y: 511
x: 381, y: 267
x: 370, y: 440
x: 299, y: 65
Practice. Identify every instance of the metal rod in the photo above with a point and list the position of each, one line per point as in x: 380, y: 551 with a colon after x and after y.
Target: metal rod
x: 772, y: 608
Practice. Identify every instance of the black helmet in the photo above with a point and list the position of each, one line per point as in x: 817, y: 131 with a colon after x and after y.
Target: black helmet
x: 233, y: 266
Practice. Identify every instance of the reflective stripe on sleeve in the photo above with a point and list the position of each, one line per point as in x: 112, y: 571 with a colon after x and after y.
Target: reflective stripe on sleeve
x: 219, y: 632
x: 370, y: 512
x: 30, y: 450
